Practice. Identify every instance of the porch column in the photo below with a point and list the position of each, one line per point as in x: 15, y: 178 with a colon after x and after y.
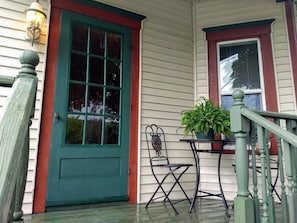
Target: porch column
x: 240, y: 126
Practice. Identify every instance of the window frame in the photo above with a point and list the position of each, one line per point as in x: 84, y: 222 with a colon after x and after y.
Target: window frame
x: 257, y: 29
x: 260, y: 64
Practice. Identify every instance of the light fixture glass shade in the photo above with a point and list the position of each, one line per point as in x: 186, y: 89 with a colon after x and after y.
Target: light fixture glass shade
x: 35, y: 18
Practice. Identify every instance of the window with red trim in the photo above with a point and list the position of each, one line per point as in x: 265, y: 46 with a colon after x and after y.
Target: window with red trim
x: 221, y: 37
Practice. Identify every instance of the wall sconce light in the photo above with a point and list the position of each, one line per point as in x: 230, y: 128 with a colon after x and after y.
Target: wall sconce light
x: 35, y: 18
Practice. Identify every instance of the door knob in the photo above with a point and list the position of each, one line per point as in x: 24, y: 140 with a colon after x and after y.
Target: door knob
x: 57, y: 117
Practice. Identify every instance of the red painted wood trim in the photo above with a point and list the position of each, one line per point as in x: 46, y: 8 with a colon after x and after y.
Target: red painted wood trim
x: 213, y: 85
x: 46, y: 116
x: 292, y: 34
x: 133, y: 156
x: 48, y: 106
x: 268, y: 71
x: 96, y: 13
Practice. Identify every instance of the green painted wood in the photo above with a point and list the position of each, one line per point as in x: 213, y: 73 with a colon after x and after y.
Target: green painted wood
x: 85, y: 172
x: 243, y: 204
x: 14, y: 121
x: 21, y: 179
x: 254, y: 175
x: 119, y: 11
x: 282, y: 178
x: 6, y: 81
x: 239, y: 25
x: 286, y: 143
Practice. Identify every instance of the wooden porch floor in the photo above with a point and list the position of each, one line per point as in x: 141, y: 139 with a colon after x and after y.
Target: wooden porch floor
x: 205, y: 210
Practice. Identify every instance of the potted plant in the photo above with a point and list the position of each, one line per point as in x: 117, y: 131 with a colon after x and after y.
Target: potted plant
x: 207, y: 119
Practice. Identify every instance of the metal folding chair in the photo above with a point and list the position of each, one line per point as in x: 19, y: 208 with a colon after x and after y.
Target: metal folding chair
x: 158, y: 155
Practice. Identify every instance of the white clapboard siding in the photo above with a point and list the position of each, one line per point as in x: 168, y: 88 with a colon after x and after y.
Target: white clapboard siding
x: 209, y: 13
x: 166, y: 75
x: 12, y: 44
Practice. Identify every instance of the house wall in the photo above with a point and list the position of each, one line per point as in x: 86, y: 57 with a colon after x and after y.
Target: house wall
x: 225, y: 12
x: 166, y: 78
x: 12, y: 44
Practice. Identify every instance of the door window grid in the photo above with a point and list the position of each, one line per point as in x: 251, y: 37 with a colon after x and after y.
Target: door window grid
x: 93, y: 115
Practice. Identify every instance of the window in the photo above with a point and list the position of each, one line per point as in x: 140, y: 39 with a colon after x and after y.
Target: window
x: 236, y: 36
x: 251, y: 43
x: 240, y: 67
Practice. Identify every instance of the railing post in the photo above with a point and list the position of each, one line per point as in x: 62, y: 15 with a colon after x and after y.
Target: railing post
x: 29, y: 61
x: 240, y: 126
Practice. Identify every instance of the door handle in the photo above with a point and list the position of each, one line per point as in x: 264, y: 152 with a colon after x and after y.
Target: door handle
x: 57, y: 117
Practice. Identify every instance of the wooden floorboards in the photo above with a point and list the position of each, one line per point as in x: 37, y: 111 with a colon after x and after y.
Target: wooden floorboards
x: 205, y: 210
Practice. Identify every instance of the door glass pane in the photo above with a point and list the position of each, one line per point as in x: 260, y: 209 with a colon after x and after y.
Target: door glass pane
x: 113, y: 74
x: 76, y: 97
x: 114, y: 46
x: 239, y: 66
x: 75, y: 124
x: 96, y: 100
x: 78, y: 67
x: 94, y: 128
x: 79, y: 38
x: 96, y: 70
x: 111, y: 133
x: 112, y: 101
x: 97, y: 42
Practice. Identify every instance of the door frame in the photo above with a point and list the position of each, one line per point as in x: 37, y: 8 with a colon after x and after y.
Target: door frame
x: 110, y: 14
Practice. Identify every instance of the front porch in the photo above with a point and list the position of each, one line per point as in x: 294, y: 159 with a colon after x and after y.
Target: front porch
x: 205, y: 210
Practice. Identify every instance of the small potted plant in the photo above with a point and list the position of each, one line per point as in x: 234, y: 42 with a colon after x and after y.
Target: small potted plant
x: 206, y: 119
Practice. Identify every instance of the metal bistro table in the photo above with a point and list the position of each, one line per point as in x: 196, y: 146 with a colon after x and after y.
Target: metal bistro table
x: 196, y: 152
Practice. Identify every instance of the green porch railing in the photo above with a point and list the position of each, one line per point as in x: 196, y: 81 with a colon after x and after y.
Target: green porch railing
x: 15, y: 120
x: 255, y: 127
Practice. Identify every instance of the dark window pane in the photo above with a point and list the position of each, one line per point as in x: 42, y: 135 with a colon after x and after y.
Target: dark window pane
x: 97, y: 42
x: 76, y: 98
x: 96, y: 70
x: 112, y: 101
x: 96, y: 100
x: 111, y: 133
x: 252, y: 101
x: 94, y: 130
x: 114, y: 43
x: 79, y: 38
x: 239, y: 66
x: 113, y: 74
x: 74, y: 133
x: 78, y: 67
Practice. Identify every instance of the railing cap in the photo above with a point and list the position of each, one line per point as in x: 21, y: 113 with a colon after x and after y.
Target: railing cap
x: 29, y: 60
x: 238, y: 96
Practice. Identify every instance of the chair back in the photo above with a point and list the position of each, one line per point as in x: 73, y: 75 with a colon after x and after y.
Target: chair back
x: 156, y: 145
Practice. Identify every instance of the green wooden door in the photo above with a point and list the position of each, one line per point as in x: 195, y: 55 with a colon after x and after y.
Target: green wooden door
x: 90, y: 138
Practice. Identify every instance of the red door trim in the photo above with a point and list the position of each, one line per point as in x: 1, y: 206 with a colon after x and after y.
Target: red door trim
x: 49, y: 92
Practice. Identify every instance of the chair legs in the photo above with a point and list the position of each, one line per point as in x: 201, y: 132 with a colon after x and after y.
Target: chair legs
x: 176, y: 182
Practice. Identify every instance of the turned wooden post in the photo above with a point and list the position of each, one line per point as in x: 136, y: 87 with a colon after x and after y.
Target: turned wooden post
x: 29, y: 61
x: 240, y: 126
